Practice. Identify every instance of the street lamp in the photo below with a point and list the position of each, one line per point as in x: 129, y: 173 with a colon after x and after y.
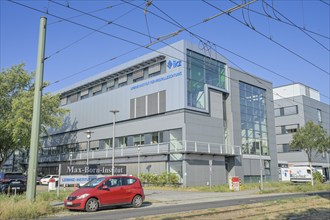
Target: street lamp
x: 139, y: 161
x: 113, y: 141
x: 70, y: 157
x: 88, y: 135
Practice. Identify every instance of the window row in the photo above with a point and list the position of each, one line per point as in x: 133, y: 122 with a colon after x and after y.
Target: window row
x: 283, y: 148
x: 287, y: 129
x: 290, y: 110
x: 120, y: 142
x: 149, y: 72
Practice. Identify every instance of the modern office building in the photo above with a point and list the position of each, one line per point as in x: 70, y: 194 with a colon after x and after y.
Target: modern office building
x: 181, y: 109
x: 294, y: 105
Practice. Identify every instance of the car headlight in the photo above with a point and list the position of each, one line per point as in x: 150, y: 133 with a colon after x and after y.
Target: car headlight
x: 83, y: 196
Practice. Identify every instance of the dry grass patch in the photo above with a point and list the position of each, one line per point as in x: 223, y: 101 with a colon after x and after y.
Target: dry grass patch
x: 17, y: 207
x: 311, y: 208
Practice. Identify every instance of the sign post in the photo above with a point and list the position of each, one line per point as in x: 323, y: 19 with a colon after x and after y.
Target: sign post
x: 210, y: 173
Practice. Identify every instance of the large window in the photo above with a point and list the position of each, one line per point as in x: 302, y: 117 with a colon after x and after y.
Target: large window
x: 203, y: 70
x: 253, y: 119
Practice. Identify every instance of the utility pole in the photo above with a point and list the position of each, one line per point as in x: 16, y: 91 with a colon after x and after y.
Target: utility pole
x: 35, y: 131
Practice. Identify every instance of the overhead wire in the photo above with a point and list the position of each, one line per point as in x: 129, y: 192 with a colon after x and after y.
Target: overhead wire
x: 234, y: 80
x: 93, y: 66
x: 303, y: 13
x: 324, y: 2
x: 174, y: 22
x: 284, y: 22
x: 74, y: 42
x: 87, y: 35
x: 108, y: 22
x: 148, y: 3
x: 277, y: 43
x: 140, y: 46
x: 301, y: 29
x: 180, y: 26
x: 77, y: 16
x: 274, y: 11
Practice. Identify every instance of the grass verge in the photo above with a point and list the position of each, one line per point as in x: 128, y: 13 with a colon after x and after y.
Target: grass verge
x: 17, y: 207
x: 314, y: 207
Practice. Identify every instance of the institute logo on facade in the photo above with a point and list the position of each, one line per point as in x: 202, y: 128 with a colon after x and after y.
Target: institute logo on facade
x: 171, y: 64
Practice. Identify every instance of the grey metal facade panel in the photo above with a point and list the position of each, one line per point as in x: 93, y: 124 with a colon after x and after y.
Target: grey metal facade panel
x: 203, y: 128
x: 251, y: 167
x: 146, y: 167
x: 153, y: 104
x: 300, y: 156
x: 216, y: 106
x: 198, y: 172
x: 140, y: 106
x: 132, y: 108
x: 310, y: 111
x: 162, y: 101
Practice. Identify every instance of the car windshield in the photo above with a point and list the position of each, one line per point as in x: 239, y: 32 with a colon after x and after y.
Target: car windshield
x: 46, y: 177
x: 93, y: 183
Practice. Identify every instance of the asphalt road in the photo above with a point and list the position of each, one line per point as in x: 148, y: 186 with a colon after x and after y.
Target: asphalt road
x: 168, y: 207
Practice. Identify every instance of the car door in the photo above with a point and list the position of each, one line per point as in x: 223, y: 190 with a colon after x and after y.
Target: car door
x: 127, y: 189
x: 112, y: 193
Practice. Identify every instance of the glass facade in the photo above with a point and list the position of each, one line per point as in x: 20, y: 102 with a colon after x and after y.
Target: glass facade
x: 253, y: 119
x: 203, y: 70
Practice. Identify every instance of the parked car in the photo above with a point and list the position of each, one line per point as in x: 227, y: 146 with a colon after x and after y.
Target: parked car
x: 106, y: 191
x: 45, y: 180
x: 38, y: 180
x: 12, y: 182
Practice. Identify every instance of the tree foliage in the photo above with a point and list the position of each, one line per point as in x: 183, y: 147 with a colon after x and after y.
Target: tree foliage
x: 311, y: 138
x: 16, y: 98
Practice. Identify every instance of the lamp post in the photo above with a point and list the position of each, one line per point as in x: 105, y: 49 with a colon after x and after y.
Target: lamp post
x: 139, y: 161
x: 88, y: 135
x: 113, y: 141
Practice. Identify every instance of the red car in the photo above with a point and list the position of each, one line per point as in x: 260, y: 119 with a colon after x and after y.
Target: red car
x: 106, y: 191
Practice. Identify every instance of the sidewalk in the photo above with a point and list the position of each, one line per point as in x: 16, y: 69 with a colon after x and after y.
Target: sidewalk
x: 165, y: 197
x: 171, y: 197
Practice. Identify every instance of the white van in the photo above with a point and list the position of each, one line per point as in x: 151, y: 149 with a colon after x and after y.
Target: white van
x: 300, y: 174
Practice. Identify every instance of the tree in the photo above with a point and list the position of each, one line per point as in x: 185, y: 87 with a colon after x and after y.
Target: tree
x: 312, y: 139
x: 16, y: 98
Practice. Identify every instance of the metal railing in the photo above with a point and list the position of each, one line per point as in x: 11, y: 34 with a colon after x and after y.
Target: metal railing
x: 173, y: 147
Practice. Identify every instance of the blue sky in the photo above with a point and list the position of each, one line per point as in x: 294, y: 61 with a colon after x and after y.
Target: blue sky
x: 307, y: 37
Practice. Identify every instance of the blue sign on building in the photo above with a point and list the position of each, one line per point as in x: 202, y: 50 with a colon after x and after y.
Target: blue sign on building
x: 173, y: 64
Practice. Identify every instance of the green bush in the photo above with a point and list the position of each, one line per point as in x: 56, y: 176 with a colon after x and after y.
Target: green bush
x: 160, y: 180
x: 318, y: 177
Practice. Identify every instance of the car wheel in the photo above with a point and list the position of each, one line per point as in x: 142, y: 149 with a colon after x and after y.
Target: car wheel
x: 92, y: 205
x: 137, y: 201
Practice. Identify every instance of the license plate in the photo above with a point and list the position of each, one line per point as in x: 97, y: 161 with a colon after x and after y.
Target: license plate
x: 69, y: 203
x: 15, y: 187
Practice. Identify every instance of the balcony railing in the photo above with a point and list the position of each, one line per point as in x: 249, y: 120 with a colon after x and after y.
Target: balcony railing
x: 173, y: 147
